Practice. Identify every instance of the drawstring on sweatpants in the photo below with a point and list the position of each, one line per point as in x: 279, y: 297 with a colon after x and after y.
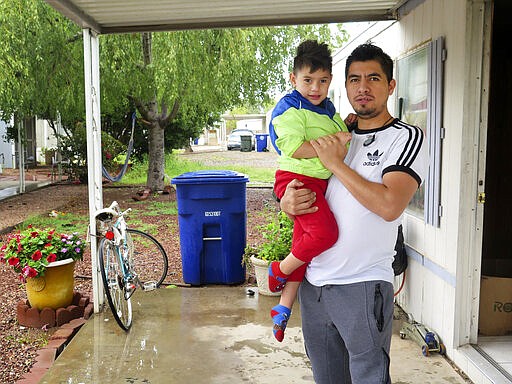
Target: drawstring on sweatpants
x: 319, y: 293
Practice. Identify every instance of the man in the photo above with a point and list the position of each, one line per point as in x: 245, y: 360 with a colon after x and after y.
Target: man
x: 347, y: 296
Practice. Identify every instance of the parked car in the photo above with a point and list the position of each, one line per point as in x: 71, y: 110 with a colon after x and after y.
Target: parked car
x: 234, y: 140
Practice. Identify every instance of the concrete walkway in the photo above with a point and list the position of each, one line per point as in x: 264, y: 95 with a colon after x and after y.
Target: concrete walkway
x: 34, y: 179
x: 211, y: 335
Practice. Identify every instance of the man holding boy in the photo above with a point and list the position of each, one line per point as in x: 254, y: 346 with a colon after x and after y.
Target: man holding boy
x: 347, y: 296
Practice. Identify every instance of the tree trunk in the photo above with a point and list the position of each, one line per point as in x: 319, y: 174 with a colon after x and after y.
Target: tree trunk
x: 156, y: 122
x: 156, y: 166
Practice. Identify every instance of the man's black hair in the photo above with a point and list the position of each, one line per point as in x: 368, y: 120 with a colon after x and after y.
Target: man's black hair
x: 314, y: 55
x: 367, y: 52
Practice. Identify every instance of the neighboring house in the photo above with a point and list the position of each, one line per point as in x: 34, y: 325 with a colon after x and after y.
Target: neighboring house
x: 255, y: 125
x: 454, y: 73
x: 45, y: 141
x: 39, y: 137
x: 7, y: 150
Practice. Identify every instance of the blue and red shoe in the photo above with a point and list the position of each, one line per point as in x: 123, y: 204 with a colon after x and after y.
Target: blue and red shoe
x: 276, y: 278
x: 280, y: 315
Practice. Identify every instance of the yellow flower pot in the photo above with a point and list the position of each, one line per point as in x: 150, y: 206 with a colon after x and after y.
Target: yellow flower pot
x: 54, y: 289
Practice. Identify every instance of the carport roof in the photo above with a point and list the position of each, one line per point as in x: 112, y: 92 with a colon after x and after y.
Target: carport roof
x: 118, y: 16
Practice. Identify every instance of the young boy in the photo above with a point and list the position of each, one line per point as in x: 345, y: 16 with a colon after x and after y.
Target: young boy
x: 303, y: 115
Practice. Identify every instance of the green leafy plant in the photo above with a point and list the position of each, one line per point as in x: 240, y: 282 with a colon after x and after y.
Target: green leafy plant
x: 277, y: 240
x: 30, y: 251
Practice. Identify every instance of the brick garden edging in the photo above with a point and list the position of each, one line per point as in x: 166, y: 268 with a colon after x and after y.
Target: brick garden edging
x: 49, y: 318
x: 69, y: 320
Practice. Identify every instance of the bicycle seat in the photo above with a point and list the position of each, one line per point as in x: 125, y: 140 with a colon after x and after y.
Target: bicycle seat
x: 105, y: 214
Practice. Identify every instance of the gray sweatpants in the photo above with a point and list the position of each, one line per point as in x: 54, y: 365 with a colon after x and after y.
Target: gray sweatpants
x: 347, y: 331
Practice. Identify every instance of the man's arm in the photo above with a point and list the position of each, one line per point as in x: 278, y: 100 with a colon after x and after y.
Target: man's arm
x: 387, y: 199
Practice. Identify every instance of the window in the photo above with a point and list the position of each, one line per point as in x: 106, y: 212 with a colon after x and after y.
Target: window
x: 419, y: 96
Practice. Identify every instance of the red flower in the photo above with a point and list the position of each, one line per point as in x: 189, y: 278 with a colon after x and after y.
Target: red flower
x: 30, y: 251
x: 14, y: 261
x: 37, y: 255
x: 29, y: 271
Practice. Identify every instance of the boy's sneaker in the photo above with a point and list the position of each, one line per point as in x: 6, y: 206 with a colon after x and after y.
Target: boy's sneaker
x: 280, y: 315
x: 276, y: 278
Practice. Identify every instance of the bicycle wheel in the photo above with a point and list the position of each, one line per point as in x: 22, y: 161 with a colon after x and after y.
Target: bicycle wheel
x: 147, y: 257
x: 112, y: 276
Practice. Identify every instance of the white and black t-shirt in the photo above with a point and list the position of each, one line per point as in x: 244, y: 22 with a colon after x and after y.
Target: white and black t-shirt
x: 365, y: 247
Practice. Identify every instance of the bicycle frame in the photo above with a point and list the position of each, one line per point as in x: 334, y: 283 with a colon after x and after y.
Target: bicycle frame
x: 119, y: 256
x: 117, y: 234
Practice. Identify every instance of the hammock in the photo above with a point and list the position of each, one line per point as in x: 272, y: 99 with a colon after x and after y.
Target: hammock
x: 120, y: 175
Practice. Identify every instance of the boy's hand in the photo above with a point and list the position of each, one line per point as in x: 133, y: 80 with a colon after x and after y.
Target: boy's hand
x: 344, y: 138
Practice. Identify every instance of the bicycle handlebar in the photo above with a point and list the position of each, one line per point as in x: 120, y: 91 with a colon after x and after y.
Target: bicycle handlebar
x: 107, y: 214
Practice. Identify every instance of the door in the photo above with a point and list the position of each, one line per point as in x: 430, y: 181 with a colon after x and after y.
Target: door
x: 497, y: 230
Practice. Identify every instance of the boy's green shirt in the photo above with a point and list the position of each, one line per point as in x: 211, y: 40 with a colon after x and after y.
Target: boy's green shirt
x: 296, y: 126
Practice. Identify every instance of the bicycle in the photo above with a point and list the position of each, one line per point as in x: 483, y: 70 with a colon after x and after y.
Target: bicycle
x: 128, y: 258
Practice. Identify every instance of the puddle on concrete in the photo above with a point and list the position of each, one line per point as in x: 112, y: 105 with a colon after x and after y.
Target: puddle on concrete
x: 190, y: 335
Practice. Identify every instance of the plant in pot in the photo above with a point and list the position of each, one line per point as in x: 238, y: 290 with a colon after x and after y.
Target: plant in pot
x: 44, y: 260
x: 276, y: 245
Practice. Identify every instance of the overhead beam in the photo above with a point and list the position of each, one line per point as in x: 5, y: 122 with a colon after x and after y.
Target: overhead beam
x: 188, y: 24
x: 104, y: 18
x: 72, y: 12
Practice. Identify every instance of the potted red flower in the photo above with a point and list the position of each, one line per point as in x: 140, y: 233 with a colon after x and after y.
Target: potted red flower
x: 40, y: 257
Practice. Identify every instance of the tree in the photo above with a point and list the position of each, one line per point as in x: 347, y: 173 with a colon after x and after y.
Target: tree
x: 193, y: 76
x: 41, y: 57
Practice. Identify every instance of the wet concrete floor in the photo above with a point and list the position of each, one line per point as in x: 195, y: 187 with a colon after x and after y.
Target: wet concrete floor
x: 210, y: 335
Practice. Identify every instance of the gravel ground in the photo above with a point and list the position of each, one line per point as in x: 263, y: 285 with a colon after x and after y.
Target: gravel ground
x: 18, y: 345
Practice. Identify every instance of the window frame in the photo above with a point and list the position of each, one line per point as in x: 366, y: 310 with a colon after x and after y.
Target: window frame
x: 434, y: 132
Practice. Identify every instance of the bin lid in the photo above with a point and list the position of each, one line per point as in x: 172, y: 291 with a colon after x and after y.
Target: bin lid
x: 210, y: 176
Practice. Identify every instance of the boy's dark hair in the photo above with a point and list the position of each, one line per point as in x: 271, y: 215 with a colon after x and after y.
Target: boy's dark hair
x: 312, y: 54
x: 367, y: 52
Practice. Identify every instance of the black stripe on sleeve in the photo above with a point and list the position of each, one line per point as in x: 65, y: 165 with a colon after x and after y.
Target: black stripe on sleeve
x: 412, y: 147
x: 398, y: 168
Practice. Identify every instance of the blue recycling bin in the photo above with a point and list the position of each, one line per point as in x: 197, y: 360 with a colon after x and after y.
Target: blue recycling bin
x: 261, y: 142
x: 212, y: 222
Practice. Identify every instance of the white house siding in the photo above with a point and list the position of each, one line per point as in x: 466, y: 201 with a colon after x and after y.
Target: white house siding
x: 442, y: 283
x: 432, y: 289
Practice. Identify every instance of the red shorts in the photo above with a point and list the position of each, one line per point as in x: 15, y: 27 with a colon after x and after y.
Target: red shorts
x: 315, y: 232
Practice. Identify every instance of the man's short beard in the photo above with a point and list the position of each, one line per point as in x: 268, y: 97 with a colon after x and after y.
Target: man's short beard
x: 366, y: 113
